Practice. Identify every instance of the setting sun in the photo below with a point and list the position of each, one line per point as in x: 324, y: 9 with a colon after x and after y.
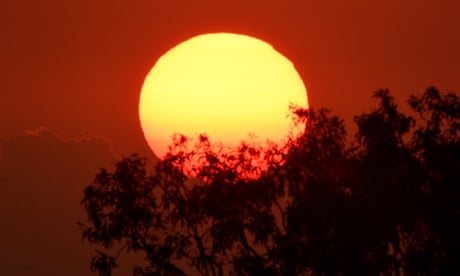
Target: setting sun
x: 227, y: 86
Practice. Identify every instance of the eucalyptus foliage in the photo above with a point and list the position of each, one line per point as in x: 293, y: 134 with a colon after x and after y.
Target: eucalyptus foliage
x: 386, y: 202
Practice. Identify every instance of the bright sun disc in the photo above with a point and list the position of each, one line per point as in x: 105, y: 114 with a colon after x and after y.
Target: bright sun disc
x: 224, y: 85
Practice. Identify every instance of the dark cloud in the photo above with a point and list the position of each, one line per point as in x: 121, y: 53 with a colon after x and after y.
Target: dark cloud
x: 42, y: 176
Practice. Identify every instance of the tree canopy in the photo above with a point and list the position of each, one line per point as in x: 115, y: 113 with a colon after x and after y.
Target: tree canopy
x: 388, y: 202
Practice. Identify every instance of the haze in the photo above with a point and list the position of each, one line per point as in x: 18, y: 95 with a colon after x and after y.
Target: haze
x: 76, y: 69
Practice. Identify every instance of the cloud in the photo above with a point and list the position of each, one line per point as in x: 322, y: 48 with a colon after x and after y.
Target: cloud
x: 42, y: 176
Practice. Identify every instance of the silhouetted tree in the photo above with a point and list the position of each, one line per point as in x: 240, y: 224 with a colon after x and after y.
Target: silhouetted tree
x: 436, y: 143
x: 389, y: 202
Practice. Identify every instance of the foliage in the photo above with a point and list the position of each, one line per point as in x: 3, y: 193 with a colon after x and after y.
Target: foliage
x: 386, y: 203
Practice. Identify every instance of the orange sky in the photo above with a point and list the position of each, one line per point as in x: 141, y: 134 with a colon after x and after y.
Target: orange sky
x: 77, y: 67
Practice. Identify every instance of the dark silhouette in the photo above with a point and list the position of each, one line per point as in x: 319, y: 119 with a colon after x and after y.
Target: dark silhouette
x: 387, y: 203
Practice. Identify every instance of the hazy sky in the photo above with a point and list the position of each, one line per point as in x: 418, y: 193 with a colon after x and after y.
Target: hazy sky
x: 77, y: 68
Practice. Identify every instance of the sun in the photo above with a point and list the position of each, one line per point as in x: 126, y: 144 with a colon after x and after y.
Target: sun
x: 227, y: 86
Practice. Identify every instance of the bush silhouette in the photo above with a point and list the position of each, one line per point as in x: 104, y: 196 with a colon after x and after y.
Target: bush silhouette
x: 389, y: 202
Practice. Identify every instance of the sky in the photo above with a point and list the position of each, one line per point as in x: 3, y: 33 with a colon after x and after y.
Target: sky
x: 71, y: 74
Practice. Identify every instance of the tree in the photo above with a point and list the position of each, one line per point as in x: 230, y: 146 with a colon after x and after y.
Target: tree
x: 437, y: 145
x: 386, y: 203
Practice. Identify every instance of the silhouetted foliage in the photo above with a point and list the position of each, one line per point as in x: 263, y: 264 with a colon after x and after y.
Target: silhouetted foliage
x: 388, y: 203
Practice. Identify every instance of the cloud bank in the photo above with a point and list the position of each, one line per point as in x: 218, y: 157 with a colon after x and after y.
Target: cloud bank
x: 42, y: 176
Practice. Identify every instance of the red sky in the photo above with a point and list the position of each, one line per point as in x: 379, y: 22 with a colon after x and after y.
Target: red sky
x: 77, y: 67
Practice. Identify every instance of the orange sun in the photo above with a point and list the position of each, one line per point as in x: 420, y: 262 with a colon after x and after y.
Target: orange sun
x: 227, y: 86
